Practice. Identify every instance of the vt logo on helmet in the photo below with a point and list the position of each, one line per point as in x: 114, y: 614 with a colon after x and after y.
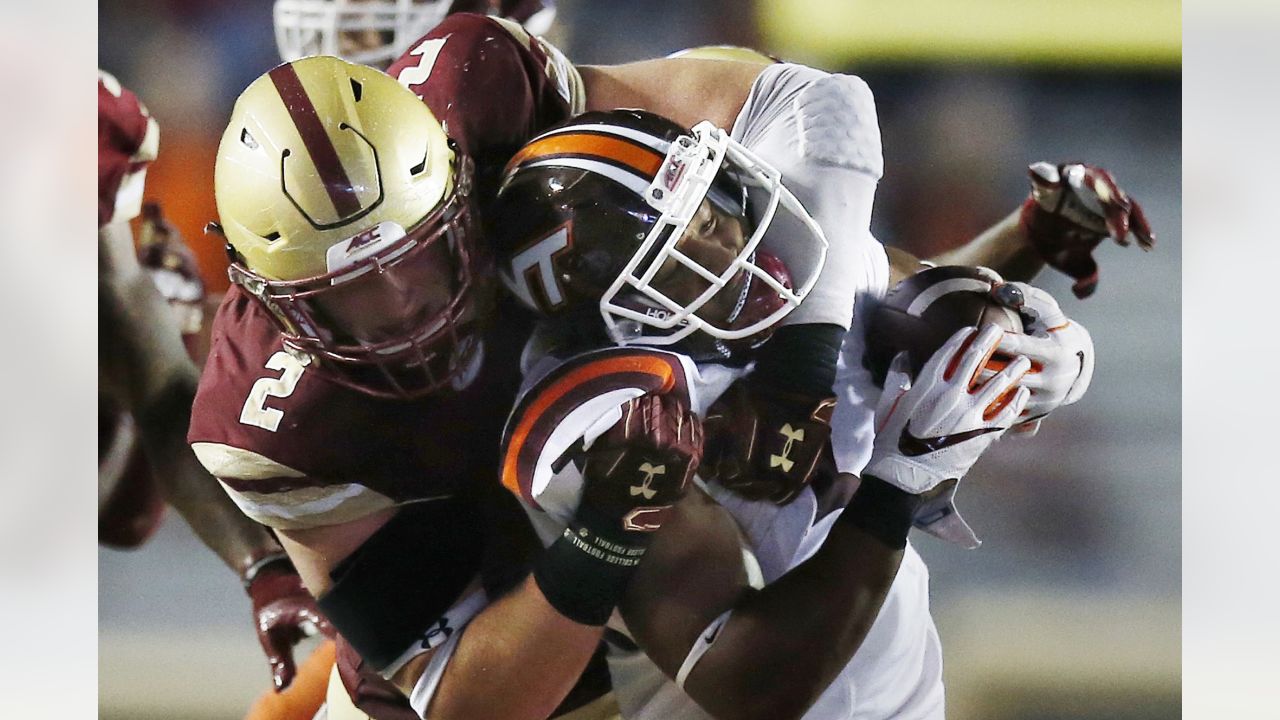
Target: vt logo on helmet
x: 347, y: 214
x: 656, y: 227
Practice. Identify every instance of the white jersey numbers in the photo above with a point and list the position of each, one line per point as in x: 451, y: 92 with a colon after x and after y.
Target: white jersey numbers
x: 255, y: 410
x: 426, y: 51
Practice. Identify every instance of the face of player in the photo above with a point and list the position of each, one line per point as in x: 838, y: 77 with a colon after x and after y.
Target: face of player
x: 401, y: 302
x: 713, y: 239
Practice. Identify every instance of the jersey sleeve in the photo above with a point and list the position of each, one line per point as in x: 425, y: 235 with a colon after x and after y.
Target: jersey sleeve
x: 246, y: 429
x: 492, y: 86
x: 558, y: 417
x: 821, y: 132
x: 128, y: 140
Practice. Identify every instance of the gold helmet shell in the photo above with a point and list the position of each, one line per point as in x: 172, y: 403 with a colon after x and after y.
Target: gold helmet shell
x: 347, y: 214
x: 317, y: 150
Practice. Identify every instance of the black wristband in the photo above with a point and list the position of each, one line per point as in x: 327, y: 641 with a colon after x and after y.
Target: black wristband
x: 584, y: 573
x: 800, y: 359
x: 882, y: 511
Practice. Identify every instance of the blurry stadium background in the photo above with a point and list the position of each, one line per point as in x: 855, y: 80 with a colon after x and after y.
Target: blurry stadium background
x: 1071, y: 608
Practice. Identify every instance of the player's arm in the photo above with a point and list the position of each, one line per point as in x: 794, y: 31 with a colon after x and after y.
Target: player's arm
x: 521, y: 655
x: 769, y: 653
x: 686, y: 90
x: 422, y: 620
x: 1071, y: 210
x: 146, y: 364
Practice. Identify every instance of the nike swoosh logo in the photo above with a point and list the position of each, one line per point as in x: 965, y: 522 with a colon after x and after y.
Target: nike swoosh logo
x: 913, y: 446
x: 711, y: 636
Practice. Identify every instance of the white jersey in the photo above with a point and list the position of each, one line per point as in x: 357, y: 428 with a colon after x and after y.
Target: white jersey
x: 820, y: 131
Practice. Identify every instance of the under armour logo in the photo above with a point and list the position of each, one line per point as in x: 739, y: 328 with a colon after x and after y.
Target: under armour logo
x: 643, y: 488
x: 793, y: 435
x: 437, y: 634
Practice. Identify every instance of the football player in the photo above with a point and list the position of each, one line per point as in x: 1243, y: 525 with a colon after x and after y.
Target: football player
x: 589, y: 240
x: 436, y: 56
x: 356, y: 388
x: 145, y: 370
x: 699, y: 620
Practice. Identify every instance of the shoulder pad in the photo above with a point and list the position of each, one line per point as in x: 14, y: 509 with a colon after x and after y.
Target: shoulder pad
x: 838, y: 124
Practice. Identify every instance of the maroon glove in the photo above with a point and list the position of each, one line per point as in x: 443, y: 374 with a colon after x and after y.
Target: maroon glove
x: 765, y: 444
x: 284, y: 613
x: 638, y: 468
x: 1072, y: 208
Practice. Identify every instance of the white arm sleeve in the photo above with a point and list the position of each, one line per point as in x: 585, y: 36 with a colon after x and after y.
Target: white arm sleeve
x: 821, y: 132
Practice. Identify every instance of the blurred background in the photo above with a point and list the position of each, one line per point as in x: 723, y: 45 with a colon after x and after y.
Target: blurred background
x: 1071, y: 608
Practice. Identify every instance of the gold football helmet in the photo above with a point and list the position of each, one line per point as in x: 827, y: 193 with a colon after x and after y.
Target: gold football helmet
x: 347, y: 214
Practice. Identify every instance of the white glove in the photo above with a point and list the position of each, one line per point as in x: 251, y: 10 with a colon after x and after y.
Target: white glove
x: 1061, y: 354
x: 930, y: 432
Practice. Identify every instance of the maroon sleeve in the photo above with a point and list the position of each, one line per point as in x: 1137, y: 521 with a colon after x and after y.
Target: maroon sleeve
x: 491, y: 85
x: 127, y: 143
x: 404, y: 449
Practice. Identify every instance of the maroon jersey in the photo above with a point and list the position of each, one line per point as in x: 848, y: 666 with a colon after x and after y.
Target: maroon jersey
x: 128, y: 139
x: 491, y: 85
x: 296, y: 450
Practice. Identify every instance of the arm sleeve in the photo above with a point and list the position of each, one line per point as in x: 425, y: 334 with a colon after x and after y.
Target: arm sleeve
x: 821, y: 132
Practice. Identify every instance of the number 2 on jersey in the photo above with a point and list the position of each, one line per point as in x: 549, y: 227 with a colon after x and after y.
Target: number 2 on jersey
x: 255, y: 410
x: 427, y: 51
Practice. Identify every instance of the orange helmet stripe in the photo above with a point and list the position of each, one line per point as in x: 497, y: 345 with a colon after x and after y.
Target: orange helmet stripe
x: 637, y: 158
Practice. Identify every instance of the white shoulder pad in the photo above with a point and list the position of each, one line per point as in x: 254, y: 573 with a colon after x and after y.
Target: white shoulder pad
x: 838, y: 124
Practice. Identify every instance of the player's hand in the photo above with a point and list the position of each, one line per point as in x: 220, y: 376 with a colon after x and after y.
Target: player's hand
x: 935, y: 428
x: 156, y: 230
x: 283, y: 613
x: 639, y: 467
x: 1074, y: 207
x: 931, y: 431
x: 764, y: 444
x: 1061, y: 355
